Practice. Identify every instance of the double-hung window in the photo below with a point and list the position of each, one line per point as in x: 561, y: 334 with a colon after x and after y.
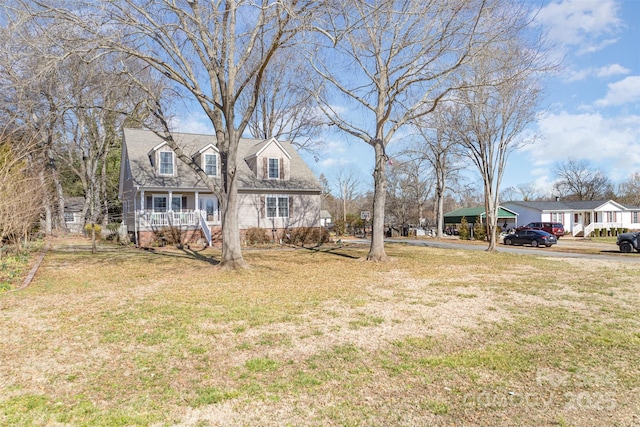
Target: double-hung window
x: 210, y: 164
x: 277, y: 206
x: 166, y: 163
x: 634, y: 217
x: 274, y: 168
x: 160, y: 203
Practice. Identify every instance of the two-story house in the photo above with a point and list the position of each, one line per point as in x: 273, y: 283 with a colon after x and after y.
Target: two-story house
x: 276, y: 189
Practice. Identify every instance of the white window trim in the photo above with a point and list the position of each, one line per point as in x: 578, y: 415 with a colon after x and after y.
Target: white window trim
x: 159, y: 196
x: 269, y: 168
x: 173, y: 163
x: 215, y: 163
x: 278, y: 208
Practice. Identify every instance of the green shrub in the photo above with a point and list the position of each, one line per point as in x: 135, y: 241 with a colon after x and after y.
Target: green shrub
x: 256, y: 236
x: 479, y: 230
x: 463, y: 232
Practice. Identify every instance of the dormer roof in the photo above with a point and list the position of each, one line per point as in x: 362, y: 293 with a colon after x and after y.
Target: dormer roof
x: 139, y: 144
x: 260, y: 146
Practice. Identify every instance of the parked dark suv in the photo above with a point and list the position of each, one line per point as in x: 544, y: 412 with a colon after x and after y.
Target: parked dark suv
x: 627, y: 242
x: 554, y: 228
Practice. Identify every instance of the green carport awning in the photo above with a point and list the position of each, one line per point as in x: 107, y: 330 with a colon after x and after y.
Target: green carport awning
x: 471, y: 214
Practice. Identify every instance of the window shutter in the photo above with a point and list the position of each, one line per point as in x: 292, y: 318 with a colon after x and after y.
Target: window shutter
x: 149, y: 203
x: 265, y: 168
x: 281, y: 168
x: 262, y: 207
x: 184, y: 203
x: 290, y: 207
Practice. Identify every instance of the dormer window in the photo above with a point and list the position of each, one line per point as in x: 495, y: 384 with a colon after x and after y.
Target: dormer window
x: 274, y: 168
x: 210, y: 164
x: 165, y: 166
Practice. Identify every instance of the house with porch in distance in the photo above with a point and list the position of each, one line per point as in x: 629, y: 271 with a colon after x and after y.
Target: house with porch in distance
x: 277, y: 190
x: 579, y: 218
x: 507, y: 218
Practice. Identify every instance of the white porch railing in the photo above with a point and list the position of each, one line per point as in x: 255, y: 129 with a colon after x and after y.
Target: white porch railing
x: 175, y: 219
x: 205, y: 227
x: 577, y: 229
x: 598, y: 225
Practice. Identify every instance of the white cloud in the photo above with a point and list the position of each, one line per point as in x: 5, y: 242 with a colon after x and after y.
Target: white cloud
x: 625, y: 91
x: 601, y: 72
x: 581, y: 23
x: 612, y: 70
x: 613, y: 143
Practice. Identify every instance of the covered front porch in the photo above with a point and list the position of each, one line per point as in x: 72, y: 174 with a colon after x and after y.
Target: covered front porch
x: 586, y: 223
x: 185, y: 210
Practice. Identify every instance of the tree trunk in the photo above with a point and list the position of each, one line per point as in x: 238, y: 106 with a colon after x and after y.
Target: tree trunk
x: 491, y: 220
x: 231, y: 257
x: 46, y: 202
x: 104, y: 198
x: 53, y: 170
x: 93, y: 238
x: 439, y: 211
x: 376, y: 251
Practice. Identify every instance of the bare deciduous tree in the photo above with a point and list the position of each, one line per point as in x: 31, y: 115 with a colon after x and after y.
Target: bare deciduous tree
x: 390, y: 62
x: 578, y: 180
x: 32, y: 98
x: 20, y: 185
x: 527, y: 192
x: 285, y: 108
x: 346, y: 187
x: 438, y: 145
x: 498, y: 107
x: 629, y: 190
x: 410, y: 183
x: 215, y: 51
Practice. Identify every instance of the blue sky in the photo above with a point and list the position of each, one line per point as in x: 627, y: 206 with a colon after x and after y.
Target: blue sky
x: 591, y: 111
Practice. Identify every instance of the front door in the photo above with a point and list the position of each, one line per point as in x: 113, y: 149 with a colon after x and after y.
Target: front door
x: 209, y: 204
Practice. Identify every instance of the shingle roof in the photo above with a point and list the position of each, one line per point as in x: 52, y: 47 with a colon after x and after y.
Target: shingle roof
x: 73, y: 204
x: 470, y: 214
x: 139, y: 142
x: 582, y: 205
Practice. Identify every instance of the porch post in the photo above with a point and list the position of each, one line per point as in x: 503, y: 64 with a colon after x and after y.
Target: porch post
x: 197, y: 207
x: 142, y: 199
x: 170, y: 208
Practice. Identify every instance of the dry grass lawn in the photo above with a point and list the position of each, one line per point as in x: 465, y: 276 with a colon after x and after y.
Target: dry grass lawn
x: 434, y: 337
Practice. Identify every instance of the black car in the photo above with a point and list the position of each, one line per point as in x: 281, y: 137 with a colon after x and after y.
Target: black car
x: 534, y: 238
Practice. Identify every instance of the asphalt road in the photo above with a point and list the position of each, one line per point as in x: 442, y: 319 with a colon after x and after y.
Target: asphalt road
x: 607, y: 251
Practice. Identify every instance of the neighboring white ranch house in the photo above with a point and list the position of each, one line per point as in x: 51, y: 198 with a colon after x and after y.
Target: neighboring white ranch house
x: 276, y: 189
x: 579, y: 218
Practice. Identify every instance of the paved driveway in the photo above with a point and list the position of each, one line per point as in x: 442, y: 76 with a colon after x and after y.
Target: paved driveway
x: 567, y: 247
